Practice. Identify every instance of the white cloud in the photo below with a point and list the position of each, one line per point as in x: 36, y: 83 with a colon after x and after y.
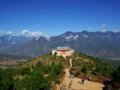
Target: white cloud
x: 103, y: 25
x: 103, y: 28
x: 9, y: 33
x: 6, y: 33
x: 115, y: 30
x: 24, y: 32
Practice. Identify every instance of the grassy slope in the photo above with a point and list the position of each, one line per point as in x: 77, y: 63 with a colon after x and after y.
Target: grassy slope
x: 85, y: 65
x: 47, y: 59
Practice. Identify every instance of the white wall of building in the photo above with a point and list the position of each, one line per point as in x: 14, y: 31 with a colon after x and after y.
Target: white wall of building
x: 59, y: 53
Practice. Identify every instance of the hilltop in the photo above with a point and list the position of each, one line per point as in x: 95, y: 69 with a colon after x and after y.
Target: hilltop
x: 47, y: 59
x: 47, y: 71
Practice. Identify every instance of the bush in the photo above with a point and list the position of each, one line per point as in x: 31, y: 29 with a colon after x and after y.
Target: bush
x: 6, y: 79
x: 116, y: 77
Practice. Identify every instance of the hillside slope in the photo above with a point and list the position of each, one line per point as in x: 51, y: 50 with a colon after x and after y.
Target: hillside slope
x: 44, y: 72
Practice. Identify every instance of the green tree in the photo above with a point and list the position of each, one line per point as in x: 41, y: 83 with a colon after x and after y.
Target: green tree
x: 116, y: 76
x: 84, y: 70
x: 6, y: 79
x: 36, y: 82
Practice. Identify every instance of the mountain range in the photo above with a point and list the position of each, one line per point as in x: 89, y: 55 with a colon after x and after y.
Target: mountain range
x: 100, y: 44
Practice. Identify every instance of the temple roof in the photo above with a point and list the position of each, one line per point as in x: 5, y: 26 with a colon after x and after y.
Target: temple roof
x: 63, y: 48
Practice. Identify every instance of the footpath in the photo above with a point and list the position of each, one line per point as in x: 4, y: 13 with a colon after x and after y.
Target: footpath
x: 75, y: 83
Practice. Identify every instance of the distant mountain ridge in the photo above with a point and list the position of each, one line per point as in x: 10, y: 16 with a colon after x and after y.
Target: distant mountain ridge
x: 8, y: 41
x: 101, y: 44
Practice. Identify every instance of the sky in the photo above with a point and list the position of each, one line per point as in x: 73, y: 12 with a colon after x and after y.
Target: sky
x: 54, y: 17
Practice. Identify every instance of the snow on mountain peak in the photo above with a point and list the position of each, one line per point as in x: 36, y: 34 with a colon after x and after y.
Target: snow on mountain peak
x: 76, y: 36
x: 31, y: 34
x: 35, y: 34
x: 9, y: 38
x: 71, y: 37
x: 85, y: 36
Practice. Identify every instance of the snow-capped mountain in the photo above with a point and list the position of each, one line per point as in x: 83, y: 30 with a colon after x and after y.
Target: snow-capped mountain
x: 8, y: 41
x: 102, y: 44
x: 33, y: 35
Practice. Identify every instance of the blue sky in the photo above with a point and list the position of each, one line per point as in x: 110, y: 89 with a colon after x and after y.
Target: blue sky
x: 53, y: 17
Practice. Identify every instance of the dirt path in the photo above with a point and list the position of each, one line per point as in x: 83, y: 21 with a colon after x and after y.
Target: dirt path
x: 88, y: 85
x: 67, y: 81
x: 75, y: 83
